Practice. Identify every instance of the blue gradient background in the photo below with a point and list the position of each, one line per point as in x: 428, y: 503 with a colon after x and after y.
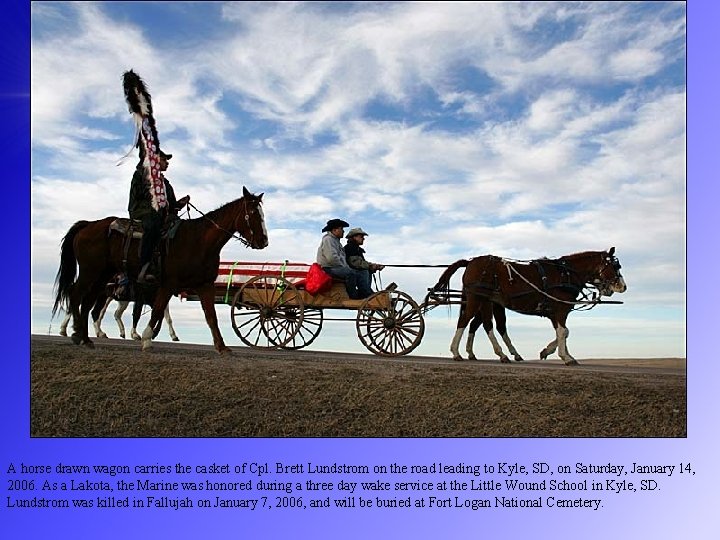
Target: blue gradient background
x: 684, y: 507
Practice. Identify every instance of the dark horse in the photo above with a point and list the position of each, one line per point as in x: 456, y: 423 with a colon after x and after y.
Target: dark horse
x: 190, y: 264
x: 545, y: 287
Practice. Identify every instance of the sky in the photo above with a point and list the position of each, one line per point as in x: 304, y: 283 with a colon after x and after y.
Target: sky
x: 445, y: 130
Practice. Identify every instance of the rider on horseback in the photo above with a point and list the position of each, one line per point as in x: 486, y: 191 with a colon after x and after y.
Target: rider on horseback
x: 141, y: 209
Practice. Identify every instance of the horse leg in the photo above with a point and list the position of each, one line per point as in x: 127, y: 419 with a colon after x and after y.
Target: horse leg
x: 74, y: 310
x: 501, y: 321
x: 486, y: 310
x: 82, y: 300
x: 158, y: 324
x: 467, y: 310
x: 88, y: 303
x: 156, y: 315
x: 455, y: 343
x: 117, y: 315
x: 64, y: 324
x: 562, y: 335
x: 168, y: 320
x: 136, y: 313
x: 550, y: 347
x: 474, y: 325
x: 207, y: 300
x: 98, y: 313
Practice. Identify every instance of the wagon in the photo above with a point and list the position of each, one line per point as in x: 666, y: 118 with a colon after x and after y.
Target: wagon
x: 270, y: 308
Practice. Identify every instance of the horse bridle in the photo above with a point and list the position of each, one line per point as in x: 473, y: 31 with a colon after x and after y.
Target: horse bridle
x: 251, y: 233
x: 607, y: 260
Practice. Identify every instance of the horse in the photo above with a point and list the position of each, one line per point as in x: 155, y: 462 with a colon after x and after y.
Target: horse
x: 92, y: 253
x: 100, y: 308
x: 543, y: 287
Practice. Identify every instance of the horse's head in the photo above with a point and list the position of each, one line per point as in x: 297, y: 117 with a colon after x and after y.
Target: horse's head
x: 608, y: 279
x: 251, y: 221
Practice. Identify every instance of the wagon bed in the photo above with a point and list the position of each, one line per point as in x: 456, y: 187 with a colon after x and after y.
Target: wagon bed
x: 270, y: 308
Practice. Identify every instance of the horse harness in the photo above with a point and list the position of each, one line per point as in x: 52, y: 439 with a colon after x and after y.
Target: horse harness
x: 489, y: 284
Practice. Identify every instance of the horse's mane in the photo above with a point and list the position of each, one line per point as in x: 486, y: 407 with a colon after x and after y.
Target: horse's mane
x: 578, y: 255
x: 213, y: 215
x: 221, y: 209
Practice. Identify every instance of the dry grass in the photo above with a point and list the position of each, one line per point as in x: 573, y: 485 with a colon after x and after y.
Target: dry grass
x: 120, y: 392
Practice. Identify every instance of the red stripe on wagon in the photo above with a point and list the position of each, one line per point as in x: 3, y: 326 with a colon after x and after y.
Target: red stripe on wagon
x: 241, y: 272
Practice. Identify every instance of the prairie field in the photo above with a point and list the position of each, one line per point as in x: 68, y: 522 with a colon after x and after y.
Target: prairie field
x: 181, y: 390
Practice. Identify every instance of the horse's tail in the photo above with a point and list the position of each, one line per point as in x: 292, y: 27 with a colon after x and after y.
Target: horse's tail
x: 68, y: 267
x: 444, y: 281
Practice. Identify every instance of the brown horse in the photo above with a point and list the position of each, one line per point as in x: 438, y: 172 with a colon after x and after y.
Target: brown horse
x: 191, y: 263
x: 545, y: 287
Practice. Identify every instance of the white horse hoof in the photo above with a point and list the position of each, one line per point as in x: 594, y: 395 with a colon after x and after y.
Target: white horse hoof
x: 63, y: 333
x: 458, y: 358
x: 136, y: 337
x: 147, y: 345
x: 518, y: 358
x: 472, y: 357
x: 543, y: 355
x: 176, y: 338
x: 571, y: 362
x: 504, y: 360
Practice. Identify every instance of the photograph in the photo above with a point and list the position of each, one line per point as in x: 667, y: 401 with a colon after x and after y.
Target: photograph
x: 318, y: 262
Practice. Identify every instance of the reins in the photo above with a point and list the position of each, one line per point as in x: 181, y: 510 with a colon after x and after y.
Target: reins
x: 234, y: 235
x: 416, y: 265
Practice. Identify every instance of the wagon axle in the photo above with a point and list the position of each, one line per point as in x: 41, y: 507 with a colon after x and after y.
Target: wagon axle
x: 389, y: 322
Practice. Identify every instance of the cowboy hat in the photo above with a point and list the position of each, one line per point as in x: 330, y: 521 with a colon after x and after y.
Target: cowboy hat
x: 335, y: 224
x: 355, y: 232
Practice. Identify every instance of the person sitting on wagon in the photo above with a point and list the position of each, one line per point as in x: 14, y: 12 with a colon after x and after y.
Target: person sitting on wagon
x: 331, y: 257
x: 355, y: 256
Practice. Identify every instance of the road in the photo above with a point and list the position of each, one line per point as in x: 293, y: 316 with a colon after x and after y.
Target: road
x: 655, y: 366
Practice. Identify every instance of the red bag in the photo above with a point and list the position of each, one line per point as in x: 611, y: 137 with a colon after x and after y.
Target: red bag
x: 317, y: 281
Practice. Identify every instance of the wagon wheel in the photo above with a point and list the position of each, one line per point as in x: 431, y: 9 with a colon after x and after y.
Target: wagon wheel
x: 309, y: 329
x: 394, y: 329
x: 267, y: 312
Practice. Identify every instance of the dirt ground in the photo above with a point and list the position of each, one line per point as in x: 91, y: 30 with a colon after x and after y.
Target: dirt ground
x: 116, y: 390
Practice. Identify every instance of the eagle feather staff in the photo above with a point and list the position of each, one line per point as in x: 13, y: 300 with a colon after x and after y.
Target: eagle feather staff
x: 140, y: 106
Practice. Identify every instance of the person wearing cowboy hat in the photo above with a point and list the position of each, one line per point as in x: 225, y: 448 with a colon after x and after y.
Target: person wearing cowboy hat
x: 140, y: 209
x: 331, y: 257
x: 355, y: 256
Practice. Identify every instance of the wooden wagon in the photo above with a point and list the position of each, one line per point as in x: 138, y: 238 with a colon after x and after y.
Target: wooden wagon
x: 270, y: 308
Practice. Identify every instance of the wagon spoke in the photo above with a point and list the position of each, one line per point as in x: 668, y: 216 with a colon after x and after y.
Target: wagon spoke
x: 282, y: 330
x: 393, y: 331
x: 255, y: 321
x: 274, y: 305
x: 414, y: 330
x: 384, y: 336
x: 308, y: 330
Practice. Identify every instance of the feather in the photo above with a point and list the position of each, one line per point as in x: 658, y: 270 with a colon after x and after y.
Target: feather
x: 146, y: 137
x: 136, y: 94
